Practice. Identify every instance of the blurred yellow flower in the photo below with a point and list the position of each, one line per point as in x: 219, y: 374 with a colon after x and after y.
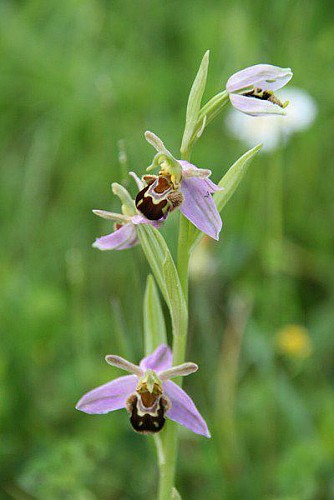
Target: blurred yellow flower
x: 294, y: 341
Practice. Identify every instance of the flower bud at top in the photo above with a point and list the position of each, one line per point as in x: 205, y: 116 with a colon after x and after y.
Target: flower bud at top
x: 251, y: 90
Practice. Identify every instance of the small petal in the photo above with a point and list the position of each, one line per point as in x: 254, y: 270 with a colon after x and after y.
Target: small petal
x: 199, y: 206
x: 108, y: 397
x: 263, y: 76
x: 189, y: 170
x: 160, y: 359
x: 183, y: 409
x: 111, y: 216
x: 138, y: 181
x: 125, y: 237
x: 255, y: 107
x: 124, y: 364
x: 178, y: 371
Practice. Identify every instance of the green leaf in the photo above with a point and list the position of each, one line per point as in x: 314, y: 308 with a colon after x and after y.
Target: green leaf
x: 194, y: 102
x: 158, y: 255
x: 176, y: 301
x: 152, y: 250
x: 154, y: 322
x: 233, y: 177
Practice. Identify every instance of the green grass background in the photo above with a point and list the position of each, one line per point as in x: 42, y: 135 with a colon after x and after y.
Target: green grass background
x: 76, y: 77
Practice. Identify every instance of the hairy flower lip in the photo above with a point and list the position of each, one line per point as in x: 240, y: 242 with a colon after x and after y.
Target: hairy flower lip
x: 177, y: 405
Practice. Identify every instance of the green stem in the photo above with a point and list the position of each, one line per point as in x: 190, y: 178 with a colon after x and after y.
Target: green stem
x: 167, y: 462
x: 183, y: 254
x: 213, y: 107
x: 169, y: 441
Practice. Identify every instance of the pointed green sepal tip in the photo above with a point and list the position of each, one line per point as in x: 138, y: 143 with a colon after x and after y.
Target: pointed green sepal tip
x: 194, y: 102
x: 206, y: 56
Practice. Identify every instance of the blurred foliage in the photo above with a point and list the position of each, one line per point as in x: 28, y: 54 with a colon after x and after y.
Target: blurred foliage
x: 76, y: 77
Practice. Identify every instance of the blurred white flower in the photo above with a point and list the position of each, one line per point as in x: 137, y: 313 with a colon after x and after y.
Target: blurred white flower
x: 273, y: 130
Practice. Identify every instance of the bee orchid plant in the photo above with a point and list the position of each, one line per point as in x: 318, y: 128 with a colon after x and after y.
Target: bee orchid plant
x: 147, y: 393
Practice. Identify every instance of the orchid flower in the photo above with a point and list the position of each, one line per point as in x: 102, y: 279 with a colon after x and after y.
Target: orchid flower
x: 251, y: 90
x: 148, y: 394
x: 179, y: 184
x: 125, y: 233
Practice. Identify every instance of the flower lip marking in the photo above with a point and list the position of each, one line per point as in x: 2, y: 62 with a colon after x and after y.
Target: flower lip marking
x: 148, y: 406
x: 146, y: 422
x: 159, y: 197
x: 266, y: 95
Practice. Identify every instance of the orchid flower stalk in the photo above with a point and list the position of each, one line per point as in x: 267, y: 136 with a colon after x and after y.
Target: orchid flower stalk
x: 156, y: 404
